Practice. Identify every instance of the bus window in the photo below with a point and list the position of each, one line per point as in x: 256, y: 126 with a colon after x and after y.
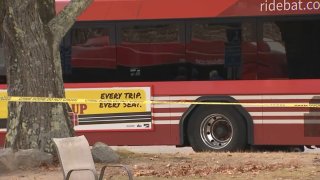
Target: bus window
x: 215, y: 47
x: 271, y: 60
x: 210, y: 32
x: 91, y: 48
x: 207, y: 44
x: 163, y: 33
x: 149, y: 45
x: 249, y: 51
x: 156, y: 50
x: 302, y: 41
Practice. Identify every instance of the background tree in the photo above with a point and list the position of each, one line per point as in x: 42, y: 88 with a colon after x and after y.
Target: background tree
x: 1, y: 29
x: 1, y: 19
x: 32, y: 34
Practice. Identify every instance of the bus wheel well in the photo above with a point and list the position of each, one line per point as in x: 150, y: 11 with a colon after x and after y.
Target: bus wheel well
x: 184, y: 141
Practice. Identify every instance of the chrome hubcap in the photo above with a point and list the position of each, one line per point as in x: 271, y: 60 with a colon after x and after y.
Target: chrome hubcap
x: 216, y: 131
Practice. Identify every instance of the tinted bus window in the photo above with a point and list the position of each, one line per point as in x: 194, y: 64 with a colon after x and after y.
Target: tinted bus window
x: 214, y: 50
x: 271, y: 60
x: 289, y: 49
x: 92, y: 48
x: 150, y: 33
x: 248, y: 70
x: 90, y: 37
x: 150, y: 50
x: 271, y: 32
x: 249, y: 32
x: 214, y: 32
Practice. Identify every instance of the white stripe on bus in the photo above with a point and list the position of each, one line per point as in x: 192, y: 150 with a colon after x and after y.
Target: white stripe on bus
x: 87, y: 120
x: 265, y: 114
x: 168, y: 105
x: 166, y: 114
x: 240, y: 97
x: 296, y: 121
x: 166, y: 122
x: 118, y: 126
x: 168, y: 98
x: 109, y: 117
x: 180, y: 114
x: 292, y: 113
x: 171, y: 105
x: 290, y: 96
x: 258, y: 121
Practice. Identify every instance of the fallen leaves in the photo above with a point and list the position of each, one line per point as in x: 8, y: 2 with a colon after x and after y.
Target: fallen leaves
x: 203, y: 168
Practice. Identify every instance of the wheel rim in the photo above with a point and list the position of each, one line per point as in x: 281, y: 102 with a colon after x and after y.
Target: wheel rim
x: 216, y: 131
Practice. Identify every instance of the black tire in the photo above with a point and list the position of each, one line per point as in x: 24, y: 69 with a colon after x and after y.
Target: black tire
x: 277, y: 148
x: 216, y: 128
x: 295, y: 148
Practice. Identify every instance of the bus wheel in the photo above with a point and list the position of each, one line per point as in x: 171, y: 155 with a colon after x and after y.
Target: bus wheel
x: 216, y: 129
x: 296, y: 148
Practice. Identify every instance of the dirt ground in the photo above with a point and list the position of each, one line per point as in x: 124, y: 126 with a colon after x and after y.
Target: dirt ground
x: 247, y: 165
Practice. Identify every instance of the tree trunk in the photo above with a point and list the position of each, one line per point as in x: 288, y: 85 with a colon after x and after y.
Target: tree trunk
x: 1, y: 20
x: 32, y: 37
x: 2, y: 10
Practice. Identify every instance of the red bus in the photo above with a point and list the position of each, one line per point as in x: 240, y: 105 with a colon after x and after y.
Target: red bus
x: 196, y: 52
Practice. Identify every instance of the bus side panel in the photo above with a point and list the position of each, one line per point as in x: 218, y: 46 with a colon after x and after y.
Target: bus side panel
x: 291, y: 134
x: 258, y: 135
x: 160, y: 136
x: 291, y: 125
x: 2, y: 138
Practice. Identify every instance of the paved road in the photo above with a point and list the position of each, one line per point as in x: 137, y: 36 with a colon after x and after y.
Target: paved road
x: 155, y: 149
x: 173, y: 149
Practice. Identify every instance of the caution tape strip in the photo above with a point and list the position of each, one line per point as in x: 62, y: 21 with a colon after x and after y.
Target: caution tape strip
x: 77, y: 100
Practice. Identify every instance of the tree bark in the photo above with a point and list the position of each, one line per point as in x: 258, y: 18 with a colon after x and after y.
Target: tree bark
x: 32, y: 37
x: 2, y: 13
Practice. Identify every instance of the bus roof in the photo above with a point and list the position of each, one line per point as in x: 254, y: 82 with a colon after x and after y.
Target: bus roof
x: 176, y: 9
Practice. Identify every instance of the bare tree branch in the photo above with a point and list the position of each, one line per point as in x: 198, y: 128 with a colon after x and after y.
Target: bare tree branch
x: 66, y: 18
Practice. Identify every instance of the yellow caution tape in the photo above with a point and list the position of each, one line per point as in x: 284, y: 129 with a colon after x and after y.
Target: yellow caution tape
x: 76, y: 100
